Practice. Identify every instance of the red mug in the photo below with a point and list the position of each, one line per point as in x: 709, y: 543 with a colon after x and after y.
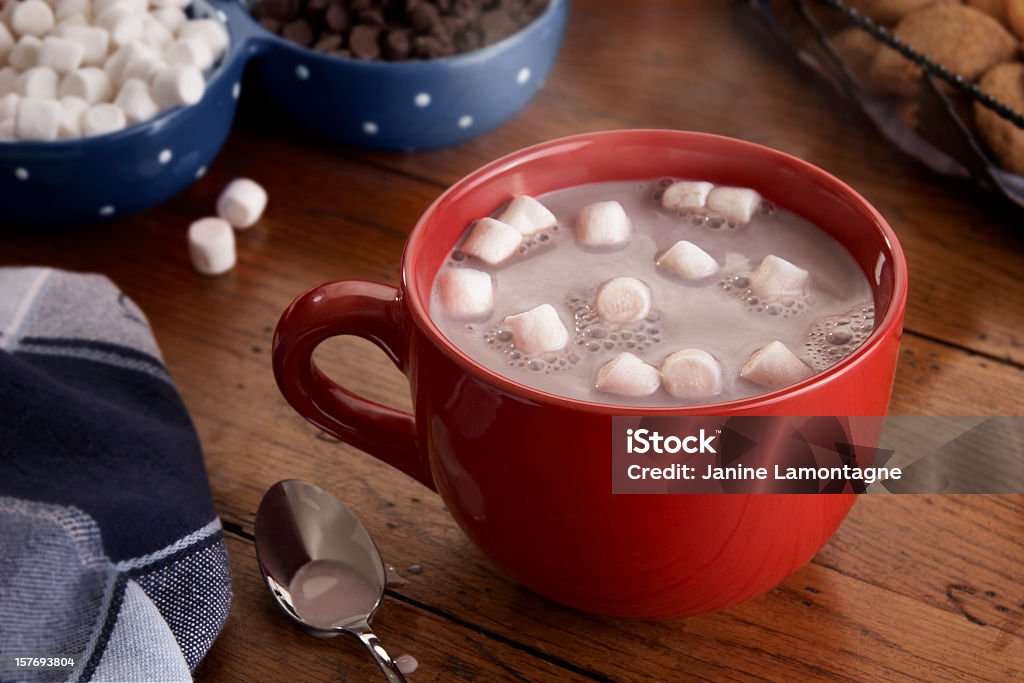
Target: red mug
x: 527, y: 475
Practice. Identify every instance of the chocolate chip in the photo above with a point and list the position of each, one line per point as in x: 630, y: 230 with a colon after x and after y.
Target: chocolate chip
x: 271, y: 24
x: 467, y: 40
x: 336, y: 17
x: 363, y: 42
x: 397, y: 44
x: 341, y: 53
x: 298, y: 31
x: 282, y: 10
x: 423, y: 16
x: 329, y: 42
x: 428, y: 47
x: 372, y: 17
x: 496, y: 25
x: 359, y: 5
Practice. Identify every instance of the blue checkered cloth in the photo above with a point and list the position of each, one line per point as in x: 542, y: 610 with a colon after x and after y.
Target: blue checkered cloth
x: 111, y: 552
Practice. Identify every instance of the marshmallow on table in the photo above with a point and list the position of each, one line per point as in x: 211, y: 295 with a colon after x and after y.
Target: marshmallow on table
x: 103, y: 118
x: 627, y: 375
x: 177, y: 85
x: 691, y: 374
x: 95, y: 42
x: 242, y: 203
x: 37, y: 119
x: 61, y: 54
x: 465, y: 293
x: 775, y: 366
x: 538, y: 330
x: 211, y: 246
x: 734, y: 203
x: 688, y: 261
x: 492, y: 241
x: 686, y: 194
x: 188, y: 52
x: 25, y: 54
x: 134, y: 100
x: 623, y: 300
x: 90, y: 83
x: 603, y: 224
x: 527, y: 215
x: 31, y: 18
x: 38, y: 82
x: 778, y: 277
x: 72, y: 109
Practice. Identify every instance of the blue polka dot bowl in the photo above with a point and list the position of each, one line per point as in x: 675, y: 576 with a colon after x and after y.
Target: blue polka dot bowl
x: 89, y: 179
x: 414, y: 105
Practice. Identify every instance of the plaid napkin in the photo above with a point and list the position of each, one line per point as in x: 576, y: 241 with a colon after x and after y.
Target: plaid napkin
x: 111, y: 553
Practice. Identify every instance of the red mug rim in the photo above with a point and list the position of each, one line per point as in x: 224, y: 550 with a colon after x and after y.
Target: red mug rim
x: 420, y: 312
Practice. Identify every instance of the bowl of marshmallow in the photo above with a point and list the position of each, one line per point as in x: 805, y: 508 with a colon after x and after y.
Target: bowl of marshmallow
x: 109, y: 107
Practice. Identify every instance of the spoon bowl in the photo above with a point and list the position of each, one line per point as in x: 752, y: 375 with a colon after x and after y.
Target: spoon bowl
x: 321, y: 565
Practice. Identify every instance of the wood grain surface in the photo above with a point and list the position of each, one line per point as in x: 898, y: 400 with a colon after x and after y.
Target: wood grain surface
x: 910, y: 588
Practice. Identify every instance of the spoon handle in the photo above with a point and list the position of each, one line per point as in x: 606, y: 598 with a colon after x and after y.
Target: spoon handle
x: 380, y: 655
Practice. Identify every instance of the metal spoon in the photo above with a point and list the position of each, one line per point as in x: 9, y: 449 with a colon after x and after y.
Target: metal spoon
x: 321, y: 566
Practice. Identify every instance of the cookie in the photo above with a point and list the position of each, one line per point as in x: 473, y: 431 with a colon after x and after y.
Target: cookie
x: 1006, y: 83
x: 888, y: 11
x: 857, y: 48
x: 965, y: 40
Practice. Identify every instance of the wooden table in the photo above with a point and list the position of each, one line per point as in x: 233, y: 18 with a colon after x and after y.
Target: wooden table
x: 911, y: 587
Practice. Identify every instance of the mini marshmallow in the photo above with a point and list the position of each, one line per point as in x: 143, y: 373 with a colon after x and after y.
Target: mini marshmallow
x: 129, y: 6
x: 692, y: 374
x: 775, y: 366
x: 686, y: 194
x: 73, y: 20
x: 172, y: 18
x: 60, y: 54
x: 31, y: 18
x: 778, y: 277
x: 103, y: 118
x: 623, y: 300
x: 9, y: 106
x: 8, y: 79
x: 6, y: 42
x: 176, y: 4
x: 95, y: 42
x: 135, y: 101
x: 242, y: 203
x: 39, y: 82
x: 90, y: 83
x: 37, y: 119
x: 7, y: 129
x: 466, y: 294
x: 734, y: 203
x: 688, y: 261
x: 627, y: 375
x: 188, y: 52
x: 603, y: 224
x: 69, y: 8
x: 72, y: 109
x: 538, y: 330
x: 209, y: 31
x: 25, y: 54
x: 125, y: 29
x: 211, y: 246
x: 177, y: 85
x: 492, y: 241
x: 142, y: 69
x: 154, y: 33
x: 123, y: 56
x: 527, y: 215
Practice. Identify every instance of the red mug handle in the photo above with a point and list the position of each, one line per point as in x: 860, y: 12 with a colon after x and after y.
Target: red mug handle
x: 350, y: 307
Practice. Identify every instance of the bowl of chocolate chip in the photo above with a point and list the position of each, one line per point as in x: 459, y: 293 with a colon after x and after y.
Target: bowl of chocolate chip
x: 407, y: 74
